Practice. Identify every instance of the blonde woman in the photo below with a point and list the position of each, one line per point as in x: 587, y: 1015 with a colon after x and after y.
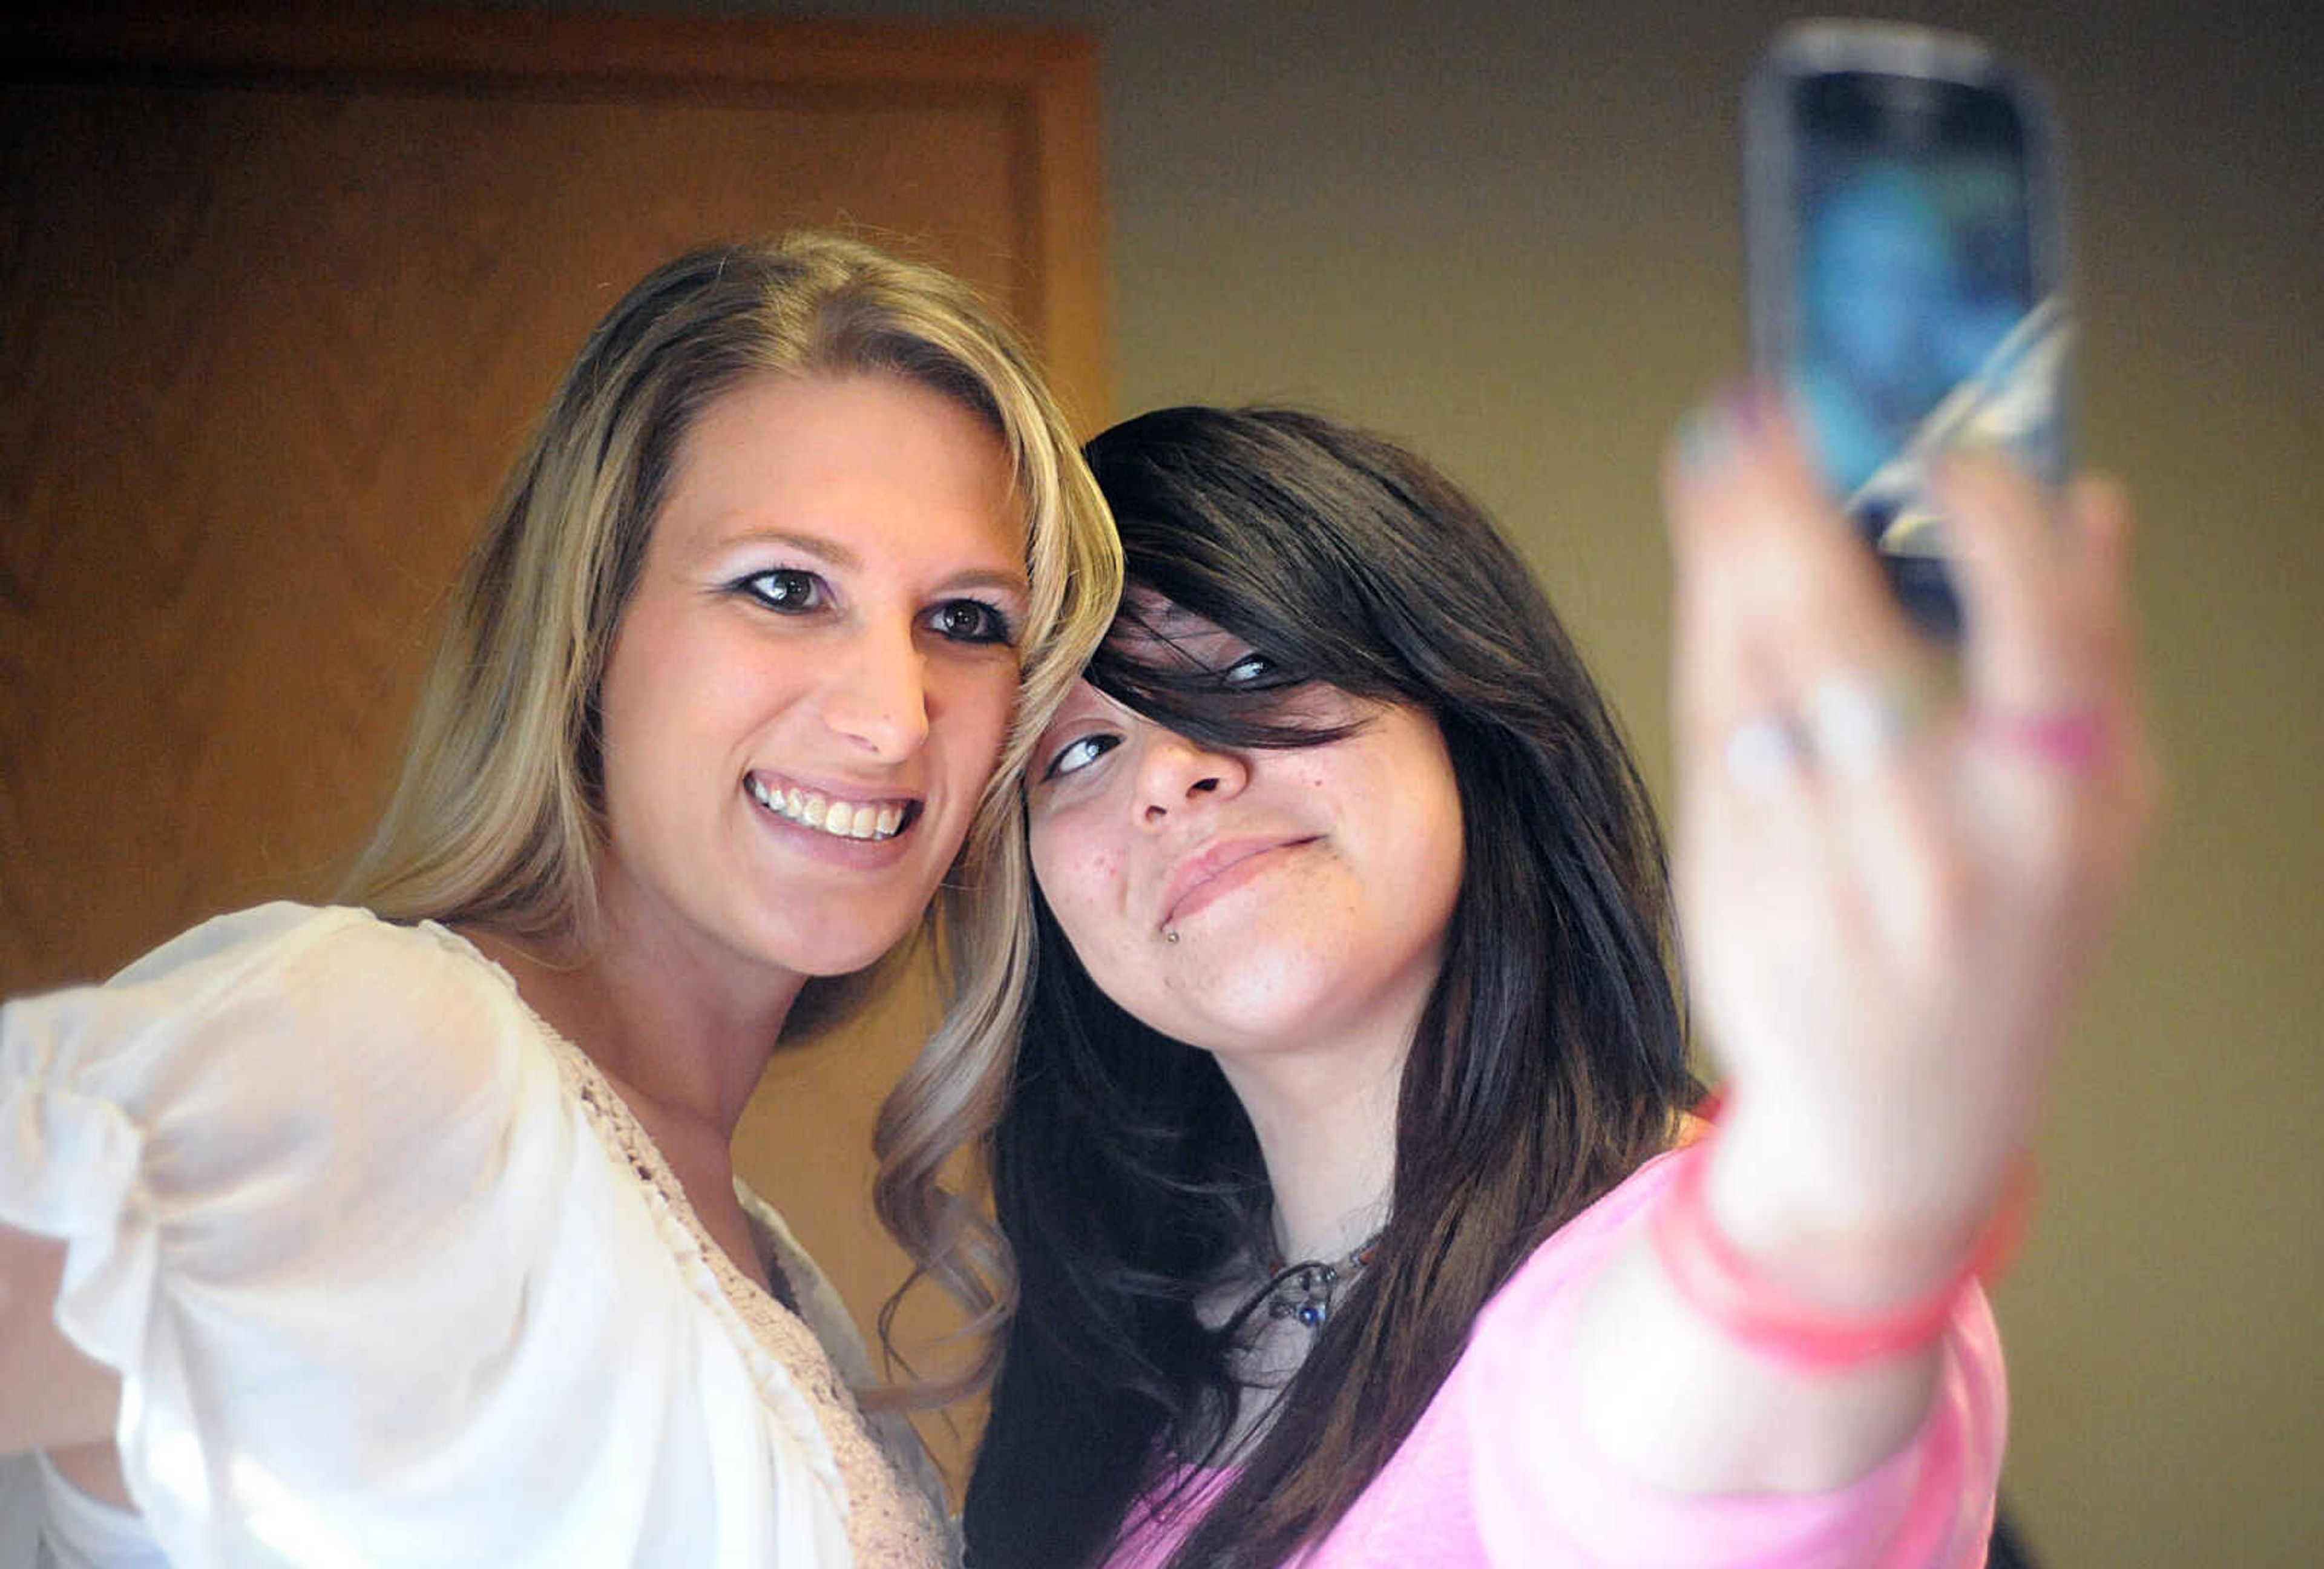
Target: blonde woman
x: 406, y: 1230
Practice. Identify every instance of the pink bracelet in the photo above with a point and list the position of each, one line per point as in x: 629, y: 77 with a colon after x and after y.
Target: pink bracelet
x: 1714, y: 1278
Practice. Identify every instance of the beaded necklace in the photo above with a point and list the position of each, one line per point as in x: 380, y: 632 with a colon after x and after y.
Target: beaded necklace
x: 1304, y: 1291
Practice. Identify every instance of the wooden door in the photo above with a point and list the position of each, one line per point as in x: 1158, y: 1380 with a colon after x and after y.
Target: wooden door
x: 279, y: 301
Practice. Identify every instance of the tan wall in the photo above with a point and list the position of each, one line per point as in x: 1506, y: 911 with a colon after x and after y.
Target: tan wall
x: 1508, y: 233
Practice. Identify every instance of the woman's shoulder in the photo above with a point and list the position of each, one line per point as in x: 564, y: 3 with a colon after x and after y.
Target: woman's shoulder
x: 346, y: 946
x: 1592, y: 1233
x: 290, y: 1006
x: 243, y: 937
x: 331, y: 958
x: 1573, y: 1252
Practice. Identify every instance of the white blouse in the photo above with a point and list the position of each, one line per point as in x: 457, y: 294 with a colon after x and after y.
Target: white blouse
x: 392, y: 1276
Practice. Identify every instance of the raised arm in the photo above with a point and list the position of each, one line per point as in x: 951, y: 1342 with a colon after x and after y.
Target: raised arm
x: 1894, y: 868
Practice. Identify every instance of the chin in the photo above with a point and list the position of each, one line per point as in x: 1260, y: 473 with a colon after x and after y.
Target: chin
x: 827, y: 962
x: 1254, y: 1015
x: 1289, y: 996
x: 836, y: 946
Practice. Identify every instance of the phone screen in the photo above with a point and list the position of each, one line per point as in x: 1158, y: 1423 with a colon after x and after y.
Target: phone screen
x: 1922, y: 308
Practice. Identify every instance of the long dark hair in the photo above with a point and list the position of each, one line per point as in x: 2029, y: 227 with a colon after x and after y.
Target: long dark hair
x: 1549, y: 1061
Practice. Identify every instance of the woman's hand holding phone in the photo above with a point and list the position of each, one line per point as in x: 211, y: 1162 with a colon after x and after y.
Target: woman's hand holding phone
x: 1895, y: 863
x: 1894, y: 866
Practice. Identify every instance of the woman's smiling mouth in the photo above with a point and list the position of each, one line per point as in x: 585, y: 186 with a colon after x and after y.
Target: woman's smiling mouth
x: 840, y: 819
x: 1217, y: 870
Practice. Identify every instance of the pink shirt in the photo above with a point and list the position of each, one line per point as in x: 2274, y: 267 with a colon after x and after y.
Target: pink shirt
x: 1495, y: 1472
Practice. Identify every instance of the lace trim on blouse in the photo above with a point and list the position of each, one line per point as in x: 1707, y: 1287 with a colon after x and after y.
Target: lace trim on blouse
x: 889, y: 1524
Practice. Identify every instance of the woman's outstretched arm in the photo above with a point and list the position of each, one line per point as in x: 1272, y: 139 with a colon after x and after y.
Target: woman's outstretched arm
x: 1894, y: 866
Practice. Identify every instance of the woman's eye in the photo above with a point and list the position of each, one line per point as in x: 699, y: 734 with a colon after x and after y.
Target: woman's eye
x: 786, y: 588
x: 970, y: 620
x: 1076, y: 755
x: 1252, y: 667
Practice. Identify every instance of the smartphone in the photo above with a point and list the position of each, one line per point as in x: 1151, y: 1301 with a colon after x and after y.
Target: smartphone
x: 1906, y: 236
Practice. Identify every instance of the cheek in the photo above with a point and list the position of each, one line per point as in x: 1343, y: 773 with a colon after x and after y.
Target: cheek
x: 670, y: 675
x: 968, y: 725
x: 632, y: 712
x: 1437, y: 852
x: 1079, y: 876
x: 978, y: 709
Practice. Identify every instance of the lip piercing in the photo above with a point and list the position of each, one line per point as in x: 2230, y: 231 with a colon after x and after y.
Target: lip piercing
x: 1169, y: 934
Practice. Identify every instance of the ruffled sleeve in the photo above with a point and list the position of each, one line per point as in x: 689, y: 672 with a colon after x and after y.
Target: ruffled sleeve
x: 373, y: 1296
x: 1543, y: 1494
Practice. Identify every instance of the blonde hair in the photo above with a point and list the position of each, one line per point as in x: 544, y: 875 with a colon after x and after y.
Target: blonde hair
x: 495, y: 819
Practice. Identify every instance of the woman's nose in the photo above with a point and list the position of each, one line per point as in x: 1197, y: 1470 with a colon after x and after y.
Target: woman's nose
x: 1175, y: 772
x: 877, y: 697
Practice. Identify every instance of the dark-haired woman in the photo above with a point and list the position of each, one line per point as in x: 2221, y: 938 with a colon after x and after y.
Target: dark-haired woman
x: 1360, y: 1210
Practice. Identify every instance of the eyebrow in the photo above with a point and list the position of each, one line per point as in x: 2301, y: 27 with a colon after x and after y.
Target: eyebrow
x: 1141, y: 611
x: 831, y: 550
x: 1078, y: 708
x: 852, y: 560
x: 1167, y: 631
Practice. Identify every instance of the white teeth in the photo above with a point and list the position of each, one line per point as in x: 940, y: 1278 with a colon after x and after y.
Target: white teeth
x: 840, y: 819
